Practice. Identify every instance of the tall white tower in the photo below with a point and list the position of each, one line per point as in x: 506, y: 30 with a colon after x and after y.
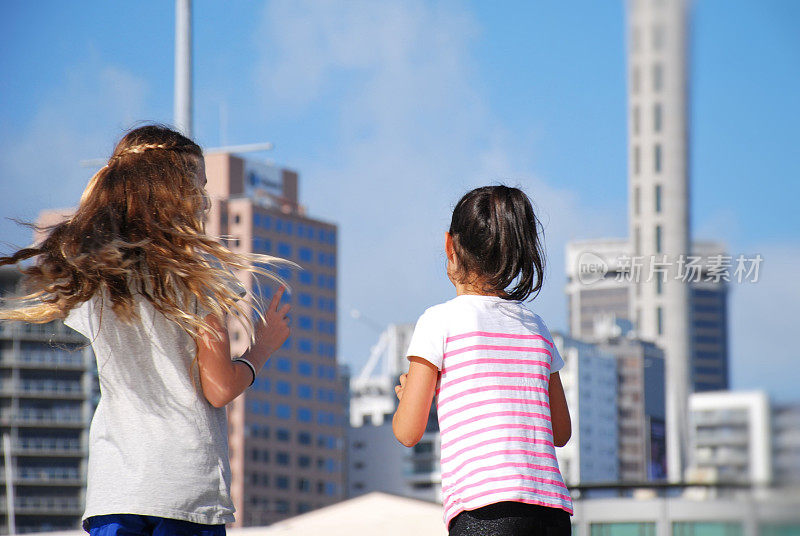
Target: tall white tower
x: 183, y: 67
x: 658, y: 179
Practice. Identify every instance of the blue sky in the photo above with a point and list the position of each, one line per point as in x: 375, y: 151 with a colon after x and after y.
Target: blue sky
x: 391, y: 110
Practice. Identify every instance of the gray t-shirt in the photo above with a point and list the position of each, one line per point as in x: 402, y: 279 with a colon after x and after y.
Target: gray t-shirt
x: 156, y: 445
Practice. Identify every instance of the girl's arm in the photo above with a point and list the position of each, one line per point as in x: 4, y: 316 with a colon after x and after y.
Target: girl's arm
x: 559, y: 412
x: 221, y: 379
x: 415, y: 393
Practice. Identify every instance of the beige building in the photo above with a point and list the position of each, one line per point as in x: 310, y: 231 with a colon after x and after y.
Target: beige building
x: 286, y: 432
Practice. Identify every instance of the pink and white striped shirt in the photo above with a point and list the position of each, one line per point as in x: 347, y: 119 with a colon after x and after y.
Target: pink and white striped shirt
x: 495, y: 358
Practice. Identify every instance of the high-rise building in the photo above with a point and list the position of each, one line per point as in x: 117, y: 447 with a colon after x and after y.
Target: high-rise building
x: 640, y: 403
x: 286, y: 433
x: 372, y: 397
x: 786, y: 445
x: 730, y: 434
x: 600, y: 285
x: 589, y: 378
x: 658, y: 182
x: 47, y: 398
x: 377, y: 461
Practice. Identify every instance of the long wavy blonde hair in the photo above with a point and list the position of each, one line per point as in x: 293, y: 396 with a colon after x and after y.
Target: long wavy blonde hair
x: 139, y: 230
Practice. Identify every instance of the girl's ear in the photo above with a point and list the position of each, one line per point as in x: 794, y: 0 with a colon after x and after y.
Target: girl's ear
x: 448, y: 248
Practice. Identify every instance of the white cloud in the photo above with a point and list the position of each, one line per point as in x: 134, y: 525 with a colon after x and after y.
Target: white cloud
x: 414, y: 133
x: 80, y: 118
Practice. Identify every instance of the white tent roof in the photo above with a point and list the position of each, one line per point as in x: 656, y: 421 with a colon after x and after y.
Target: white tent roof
x: 373, y: 513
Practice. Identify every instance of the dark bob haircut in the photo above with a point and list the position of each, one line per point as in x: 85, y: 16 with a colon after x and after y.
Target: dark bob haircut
x: 498, y: 242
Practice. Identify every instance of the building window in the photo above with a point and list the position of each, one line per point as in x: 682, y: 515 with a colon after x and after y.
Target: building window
x: 304, y: 438
x: 282, y: 482
x: 657, y: 158
x: 635, y: 118
x: 636, y: 201
x: 283, y: 388
x: 282, y: 434
x: 658, y: 239
x: 723, y: 528
x: 659, y: 284
x: 660, y: 320
x: 658, y: 37
x: 304, y: 414
x: 636, y: 38
x: 284, y: 249
x: 636, y: 159
x: 658, y: 198
x: 304, y: 391
x: 657, y: 117
x: 284, y: 412
x: 236, y: 218
x: 658, y: 77
x: 637, y: 240
x: 622, y: 529
x: 635, y: 79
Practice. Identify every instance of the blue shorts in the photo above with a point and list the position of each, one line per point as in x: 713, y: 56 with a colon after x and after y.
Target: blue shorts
x: 136, y: 525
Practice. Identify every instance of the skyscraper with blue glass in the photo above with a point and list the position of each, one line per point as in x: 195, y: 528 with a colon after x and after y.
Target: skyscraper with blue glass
x: 286, y: 433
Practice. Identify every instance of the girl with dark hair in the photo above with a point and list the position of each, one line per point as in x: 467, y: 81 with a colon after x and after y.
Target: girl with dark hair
x: 134, y: 271
x: 493, y: 367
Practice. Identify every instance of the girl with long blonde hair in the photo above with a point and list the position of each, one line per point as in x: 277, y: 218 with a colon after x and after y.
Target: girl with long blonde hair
x: 134, y: 271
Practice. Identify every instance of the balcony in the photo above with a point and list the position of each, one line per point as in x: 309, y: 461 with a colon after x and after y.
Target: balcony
x: 42, y: 417
x: 49, y: 447
x: 43, y: 389
x: 722, y: 437
x: 44, y: 332
x: 58, y: 476
x: 44, y: 359
x: 45, y: 506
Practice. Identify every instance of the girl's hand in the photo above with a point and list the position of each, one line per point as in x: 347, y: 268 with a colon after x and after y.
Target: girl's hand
x: 415, y: 392
x: 274, y: 330
x: 398, y: 389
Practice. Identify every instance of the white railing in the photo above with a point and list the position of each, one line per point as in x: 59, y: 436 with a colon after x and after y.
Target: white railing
x: 48, y: 474
x: 48, y: 357
x: 48, y: 443
x: 25, y: 415
x: 42, y: 387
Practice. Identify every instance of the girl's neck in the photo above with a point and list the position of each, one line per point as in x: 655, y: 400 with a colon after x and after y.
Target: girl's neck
x: 468, y: 289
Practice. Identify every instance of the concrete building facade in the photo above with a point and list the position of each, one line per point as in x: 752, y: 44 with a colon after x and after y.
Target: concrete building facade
x: 641, y: 411
x: 48, y: 391
x: 377, y: 461
x: 287, y: 432
x: 599, y: 286
x: 786, y: 445
x: 730, y: 438
x: 589, y: 378
x: 658, y: 181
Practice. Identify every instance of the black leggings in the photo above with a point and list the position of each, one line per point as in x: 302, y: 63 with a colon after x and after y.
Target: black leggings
x: 512, y: 519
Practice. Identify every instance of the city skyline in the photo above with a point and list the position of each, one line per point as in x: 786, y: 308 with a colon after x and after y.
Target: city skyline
x: 390, y: 123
